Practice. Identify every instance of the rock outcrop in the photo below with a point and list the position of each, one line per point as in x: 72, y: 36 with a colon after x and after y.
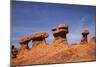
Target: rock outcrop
x: 22, y: 50
x: 60, y: 34
x: 39, y: 38
x: 92, y: 41
x: 14, y: 51
x: 24, y: 43
x: 84, y: 40
x: 59, y: 51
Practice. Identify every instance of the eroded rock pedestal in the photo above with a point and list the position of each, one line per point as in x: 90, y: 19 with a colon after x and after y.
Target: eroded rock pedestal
x: 57, y: 52
x: 39, y: 39
x: 24, y: 43
x: 84, y: 40
x: 60, y: 34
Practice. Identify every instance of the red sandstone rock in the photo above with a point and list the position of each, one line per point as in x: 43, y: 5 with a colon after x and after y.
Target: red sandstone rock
x: 24, y: 39
x: 60, y: 34
x: 14, y: 52
x: 92, y: 41
x: 84, y: 40
x: 58, y: 53
x: 39, y: 35
x: 24, y: 42
x: 39, y: 38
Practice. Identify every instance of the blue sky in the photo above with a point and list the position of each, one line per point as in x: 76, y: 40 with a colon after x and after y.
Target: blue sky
x: 31, y: 17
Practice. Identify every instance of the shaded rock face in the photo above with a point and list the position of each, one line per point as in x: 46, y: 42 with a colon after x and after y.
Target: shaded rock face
x: 60, y: 34
x: 39, y: 38
x: 24, y: 43
x: 14, y: 51
x: 84, y: 36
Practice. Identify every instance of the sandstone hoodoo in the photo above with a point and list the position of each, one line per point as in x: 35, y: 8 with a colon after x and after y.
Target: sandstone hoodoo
x: 60, y: 34
x: 39, y: 38
x: 14, y: 51
x: 59, y: 51
x: 24, y: 43
x: 84, y: 40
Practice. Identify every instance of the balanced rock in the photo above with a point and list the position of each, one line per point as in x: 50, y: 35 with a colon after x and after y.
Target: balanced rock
x: 84, y: 39
x: 60, y: 34
x: 24, y: 42
x: 58, y: 52
x: 39, y: 38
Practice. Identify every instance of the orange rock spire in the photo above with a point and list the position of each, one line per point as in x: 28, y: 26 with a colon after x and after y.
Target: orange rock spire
x: 60, y: 34
x: 84, y: 36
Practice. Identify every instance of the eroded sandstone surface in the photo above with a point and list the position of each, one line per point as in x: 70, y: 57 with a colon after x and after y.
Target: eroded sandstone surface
x: 59, y: 51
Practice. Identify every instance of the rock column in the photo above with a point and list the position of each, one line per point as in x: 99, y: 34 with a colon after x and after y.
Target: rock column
x: 39, y: 38
x: 85, y: 33
x: 60, y: 34
x: 24, y: 43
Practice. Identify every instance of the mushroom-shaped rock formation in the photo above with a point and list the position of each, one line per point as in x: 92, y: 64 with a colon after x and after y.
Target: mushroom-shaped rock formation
x: 24, y: 42
x: 14, y: 51
x: 39, y: 38
x: 84, y: 40
x: 60, y: 34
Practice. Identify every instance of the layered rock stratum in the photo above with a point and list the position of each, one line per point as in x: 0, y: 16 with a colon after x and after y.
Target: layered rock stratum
x: 59, y: 51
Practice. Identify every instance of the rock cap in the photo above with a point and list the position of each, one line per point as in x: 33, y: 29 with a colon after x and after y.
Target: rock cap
x: 24, y: 39
x: 39, y: 35
x: 62, y: 26
x: 85, y: 31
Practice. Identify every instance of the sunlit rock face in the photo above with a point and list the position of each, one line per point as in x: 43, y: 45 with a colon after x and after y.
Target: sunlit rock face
x: 92, y: 41
x: 59, y: 34
x: 39, y: 38
x: 85, y: 33
x: 24, y: 48
x: 59, y: 51
x: 24, y: 43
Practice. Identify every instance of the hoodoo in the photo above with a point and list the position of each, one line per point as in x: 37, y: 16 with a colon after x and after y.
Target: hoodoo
x: 59, y: 51
x: 39, y: 38
x: 60, y: 34
x: 24, y: 43
x: 84, y: 39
